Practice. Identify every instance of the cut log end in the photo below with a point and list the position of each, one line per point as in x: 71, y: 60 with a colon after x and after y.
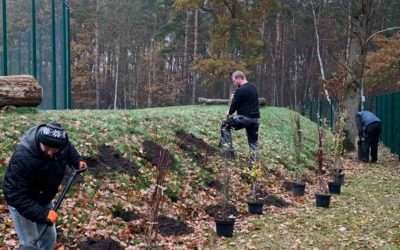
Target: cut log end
x: 20, y: 91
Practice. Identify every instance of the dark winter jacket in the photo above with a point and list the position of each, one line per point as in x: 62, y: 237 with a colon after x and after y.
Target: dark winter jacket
x: 32, y: 179
x: 245, y: 101
x: 365, y: 118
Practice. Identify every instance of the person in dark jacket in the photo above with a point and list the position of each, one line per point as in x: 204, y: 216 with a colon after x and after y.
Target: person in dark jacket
x: 243, y: 113
x: 32, y: 179
x: 369, y: 130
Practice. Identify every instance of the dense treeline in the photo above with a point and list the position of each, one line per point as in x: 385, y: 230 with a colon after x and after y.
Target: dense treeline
x: 139, y: 53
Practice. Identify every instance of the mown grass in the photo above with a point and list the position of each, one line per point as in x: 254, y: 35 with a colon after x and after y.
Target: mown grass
x: 365, y: 216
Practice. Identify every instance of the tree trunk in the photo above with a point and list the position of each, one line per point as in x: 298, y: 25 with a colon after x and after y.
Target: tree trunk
x: 349, y: 28
x: 116, y: 78
x: 357, y: 59
x: 185, y: 68
x: 275, y: 60
x: 20, y: 90
x: 283, y: 64
x: 318, y: 43
x: 97, y: 56
x: 149, y: 87
x: 195, y: 49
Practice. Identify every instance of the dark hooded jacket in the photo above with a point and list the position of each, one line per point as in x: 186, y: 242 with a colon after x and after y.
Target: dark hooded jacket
x: 32, y: 179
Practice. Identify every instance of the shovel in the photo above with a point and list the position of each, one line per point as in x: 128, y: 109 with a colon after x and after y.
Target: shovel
x: 60, y: 199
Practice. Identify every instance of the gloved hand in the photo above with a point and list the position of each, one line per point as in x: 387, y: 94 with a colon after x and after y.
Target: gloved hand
x: 52, y: 216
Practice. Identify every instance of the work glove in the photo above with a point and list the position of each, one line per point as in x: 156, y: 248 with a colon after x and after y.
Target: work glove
x: 52, y: 216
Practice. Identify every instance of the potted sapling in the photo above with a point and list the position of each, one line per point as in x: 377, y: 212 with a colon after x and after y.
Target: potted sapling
x: 337, y: 170
x: 255, y: 205
x: 322, y: 197
x: 337, y: 177
x: 298, y: 185
x: 224, y: 219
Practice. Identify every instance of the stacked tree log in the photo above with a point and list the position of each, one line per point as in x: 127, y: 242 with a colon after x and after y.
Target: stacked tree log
x: 20, y: 91
x: 209, y: 101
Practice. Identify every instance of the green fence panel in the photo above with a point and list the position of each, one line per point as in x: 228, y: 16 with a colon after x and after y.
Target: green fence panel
x: 320, y: 110
x: 389, y: 120
x: 386, y: 107
x: 396, y: 123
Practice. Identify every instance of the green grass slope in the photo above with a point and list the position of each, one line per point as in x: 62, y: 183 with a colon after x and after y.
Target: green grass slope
x: 188, y: 183
x: 125, y: 130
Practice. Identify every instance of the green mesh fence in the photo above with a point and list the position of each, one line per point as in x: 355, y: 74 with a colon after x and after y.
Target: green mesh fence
x: 317, y: 111
x: 35, y: 41
x: 386, y: 107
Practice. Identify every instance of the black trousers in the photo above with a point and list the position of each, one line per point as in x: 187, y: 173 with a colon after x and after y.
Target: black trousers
x: 370, y: 141
x: 240, y: 122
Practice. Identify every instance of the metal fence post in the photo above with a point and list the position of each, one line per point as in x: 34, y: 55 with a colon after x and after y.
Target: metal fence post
x: 396, y: 123
x: 389, y: 121
x: 66, y: 72
x: 69, y: 54
x: 5, y: 45
x: 34, y: 51
x: 54, y: 53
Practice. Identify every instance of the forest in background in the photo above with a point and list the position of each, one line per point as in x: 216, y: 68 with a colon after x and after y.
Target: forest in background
x: 140, y: 53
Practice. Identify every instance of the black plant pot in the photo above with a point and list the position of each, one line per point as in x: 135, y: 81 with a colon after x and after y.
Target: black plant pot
x: 225, y: 227
x: 323, y: 200
x: 298, y: 188
x: 255, y: 207
x: 338, y: 178
x: 334, y: 188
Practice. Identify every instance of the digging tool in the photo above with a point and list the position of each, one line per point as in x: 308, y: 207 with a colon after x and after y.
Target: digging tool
x: 60, y: 199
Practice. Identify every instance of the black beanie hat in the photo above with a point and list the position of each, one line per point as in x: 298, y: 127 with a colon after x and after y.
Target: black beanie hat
x: 53, y: 135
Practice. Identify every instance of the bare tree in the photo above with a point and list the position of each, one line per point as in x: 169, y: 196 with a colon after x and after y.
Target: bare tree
x: 316, y: 16
x: 195, y: 53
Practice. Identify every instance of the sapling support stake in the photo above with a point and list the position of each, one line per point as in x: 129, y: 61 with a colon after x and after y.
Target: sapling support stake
x: 227, y: 177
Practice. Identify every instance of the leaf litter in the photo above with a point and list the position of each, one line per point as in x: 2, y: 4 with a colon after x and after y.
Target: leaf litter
x: 87, y: 214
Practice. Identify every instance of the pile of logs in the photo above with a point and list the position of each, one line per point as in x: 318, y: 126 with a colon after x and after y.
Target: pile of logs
x: 20, y: 91
x: 202, y: 100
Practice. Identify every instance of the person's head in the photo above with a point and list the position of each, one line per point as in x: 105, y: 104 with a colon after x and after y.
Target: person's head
x: 238, y: 78
x: 52, y: 139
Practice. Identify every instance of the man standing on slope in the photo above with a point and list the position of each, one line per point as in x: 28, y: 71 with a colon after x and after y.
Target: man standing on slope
x: 245, y: 104
x: 31, y: 182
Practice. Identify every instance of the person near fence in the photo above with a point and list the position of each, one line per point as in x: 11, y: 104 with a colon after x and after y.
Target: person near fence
x: 369, y: 130
x: 32, y: 179
x: 243, y: 113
